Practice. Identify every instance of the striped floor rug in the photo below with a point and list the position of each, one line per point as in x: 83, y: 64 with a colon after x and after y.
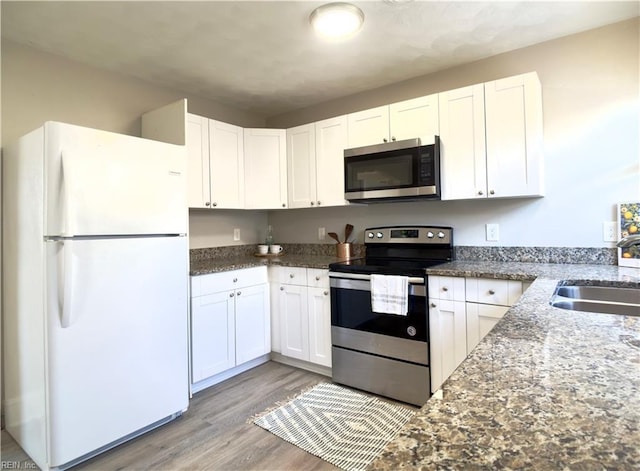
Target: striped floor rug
x: 341, y: 426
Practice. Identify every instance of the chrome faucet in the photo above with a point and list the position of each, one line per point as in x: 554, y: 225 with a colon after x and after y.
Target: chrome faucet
x: 628, y: 241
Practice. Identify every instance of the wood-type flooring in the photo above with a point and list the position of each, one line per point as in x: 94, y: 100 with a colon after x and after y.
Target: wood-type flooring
x: 214, y: 434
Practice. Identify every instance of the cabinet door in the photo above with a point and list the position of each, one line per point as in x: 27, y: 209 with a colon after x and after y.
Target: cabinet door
x: 447, y: 339
x: 481, y: 318
x: 301, y: 165
x: 415, y: 118
x: 294, y: 322
x: 320, y: 326
x: 514, y: 136
x: 369, y: 127
x: 226, y: 164
x: 462, y: 141
x: 265, y: 168
x: 212, y: 335
x: 198, y: 186
x: 331, y: 141
x: 253, y: 336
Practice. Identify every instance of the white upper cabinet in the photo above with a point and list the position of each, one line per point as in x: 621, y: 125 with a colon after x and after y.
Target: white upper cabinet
x: 265, y: 168
x: 315, y: 162
x: 491, y: 139
x: 513, y: 109
x: 301, y: 166
x: 199, y: 185
x: 463, y: 165
x: 413, y: 118
x: 226, y: 165
x: 215, y: 168
x: 331, y: 141
x: 369, y: 127
x: 409, y: 119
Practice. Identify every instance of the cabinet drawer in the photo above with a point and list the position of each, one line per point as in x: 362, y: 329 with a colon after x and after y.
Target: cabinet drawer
x: 293, y: 276
x: 490, y: 291
x: 228, y: 280
x: 318, y: 278
x: 446, y: 287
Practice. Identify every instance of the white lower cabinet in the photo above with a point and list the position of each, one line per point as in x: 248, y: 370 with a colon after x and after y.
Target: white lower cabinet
x: 447, y: 327
x: 488, y: 300
x: 303, y: 309
x: 230, y: 325
x: 461, y: 312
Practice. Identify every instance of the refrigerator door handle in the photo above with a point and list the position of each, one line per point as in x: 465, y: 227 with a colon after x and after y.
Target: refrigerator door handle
x: 66, y: 199
x: 66, y: 286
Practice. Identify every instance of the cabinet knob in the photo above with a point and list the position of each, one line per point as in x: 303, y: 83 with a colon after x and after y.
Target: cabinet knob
x: 239, y: 293
x: 231, y: 295
x: 319, y: 203
x: 291, y: 275
x: 480, y: 193
x: 284, y: 205
x: 312, y: 203
x: 492, y: 192
x: 326, y: 293
x: 393, y: 138
x: 444, y: 288
x: 317, y: 278
x: 282, y: 288
x: 433, y: 304
x: 492, y: 292
x: 215, y: 204
x: 207, y: 204
x: 384, y: 139
x: 235, y: 280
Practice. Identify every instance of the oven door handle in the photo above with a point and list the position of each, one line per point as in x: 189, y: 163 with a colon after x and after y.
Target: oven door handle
x: 413, y: 280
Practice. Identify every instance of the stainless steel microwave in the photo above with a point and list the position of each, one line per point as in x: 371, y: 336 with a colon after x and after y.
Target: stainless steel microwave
x: 393, y: 171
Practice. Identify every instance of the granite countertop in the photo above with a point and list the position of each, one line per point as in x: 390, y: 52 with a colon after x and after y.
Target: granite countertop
x: 546, y: 389
x: 215, y: 265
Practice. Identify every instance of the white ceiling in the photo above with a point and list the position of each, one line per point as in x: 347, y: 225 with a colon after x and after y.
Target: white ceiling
x: 262, y: 56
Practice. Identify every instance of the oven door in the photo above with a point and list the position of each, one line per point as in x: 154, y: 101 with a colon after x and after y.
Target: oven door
x: 351, y: 308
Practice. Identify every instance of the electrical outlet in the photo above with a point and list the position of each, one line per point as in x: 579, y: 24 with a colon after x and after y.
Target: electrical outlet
x: 609, y: 230
x: 493, y: 232
x: 321, y: 233
x: 236, y: 234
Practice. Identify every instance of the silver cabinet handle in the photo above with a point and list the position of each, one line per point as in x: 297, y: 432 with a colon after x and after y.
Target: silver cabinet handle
x: 480, y: 193
x: 492, y: 292
x: 492, y: 192
x: 235, y: 280
x: 207, y: 204
x: 312, y: 203
x: 433, y: 304
x: 291, y: 275
x: 445, y: 289
x: 215, y: 204
x: 326, y: 293
x: 393, y: 138
x: 231, y: 295
x: 239, y: 293
x: 319, y: 203
x: 317, y: 278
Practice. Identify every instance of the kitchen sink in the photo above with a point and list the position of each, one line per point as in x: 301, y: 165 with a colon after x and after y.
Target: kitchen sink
x: 604, y: 299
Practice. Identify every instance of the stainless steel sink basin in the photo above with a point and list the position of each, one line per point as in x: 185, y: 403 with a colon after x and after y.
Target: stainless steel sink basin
x: 605, y: 299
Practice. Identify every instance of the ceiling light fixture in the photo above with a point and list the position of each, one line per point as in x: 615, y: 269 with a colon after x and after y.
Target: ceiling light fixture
x: 336, y: 20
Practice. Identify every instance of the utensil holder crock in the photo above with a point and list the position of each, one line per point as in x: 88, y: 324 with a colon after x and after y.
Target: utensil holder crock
x: 343, y: 251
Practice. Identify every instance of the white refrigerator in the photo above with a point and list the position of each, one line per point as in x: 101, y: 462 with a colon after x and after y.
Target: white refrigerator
x: 95, y: 277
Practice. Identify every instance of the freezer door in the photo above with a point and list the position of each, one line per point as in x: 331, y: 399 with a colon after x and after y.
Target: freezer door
x: 116, y: 339
x: 98, y: 183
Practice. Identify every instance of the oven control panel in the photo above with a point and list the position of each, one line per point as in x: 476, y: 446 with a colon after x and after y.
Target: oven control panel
x: 409, y: 235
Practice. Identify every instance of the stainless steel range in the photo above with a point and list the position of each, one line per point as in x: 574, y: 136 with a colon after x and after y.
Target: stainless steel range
x: 387, y: 354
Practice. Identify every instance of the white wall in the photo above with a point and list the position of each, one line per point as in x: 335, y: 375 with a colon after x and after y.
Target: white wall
x: 591, y: 103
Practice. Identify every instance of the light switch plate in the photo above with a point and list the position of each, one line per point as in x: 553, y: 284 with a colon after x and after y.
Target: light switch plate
x: 493, y: 232
x: 609, y: 230
x: 236, y: 234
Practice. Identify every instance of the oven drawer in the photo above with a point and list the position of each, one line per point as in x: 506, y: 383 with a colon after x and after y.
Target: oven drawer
x: 406, y: 382
x: 414, y: 351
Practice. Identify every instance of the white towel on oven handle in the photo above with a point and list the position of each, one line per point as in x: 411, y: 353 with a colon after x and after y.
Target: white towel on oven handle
x: 390, y: 294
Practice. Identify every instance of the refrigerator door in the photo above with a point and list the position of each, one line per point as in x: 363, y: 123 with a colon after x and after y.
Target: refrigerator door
x: 117, y: 339
x: 102, y: 183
